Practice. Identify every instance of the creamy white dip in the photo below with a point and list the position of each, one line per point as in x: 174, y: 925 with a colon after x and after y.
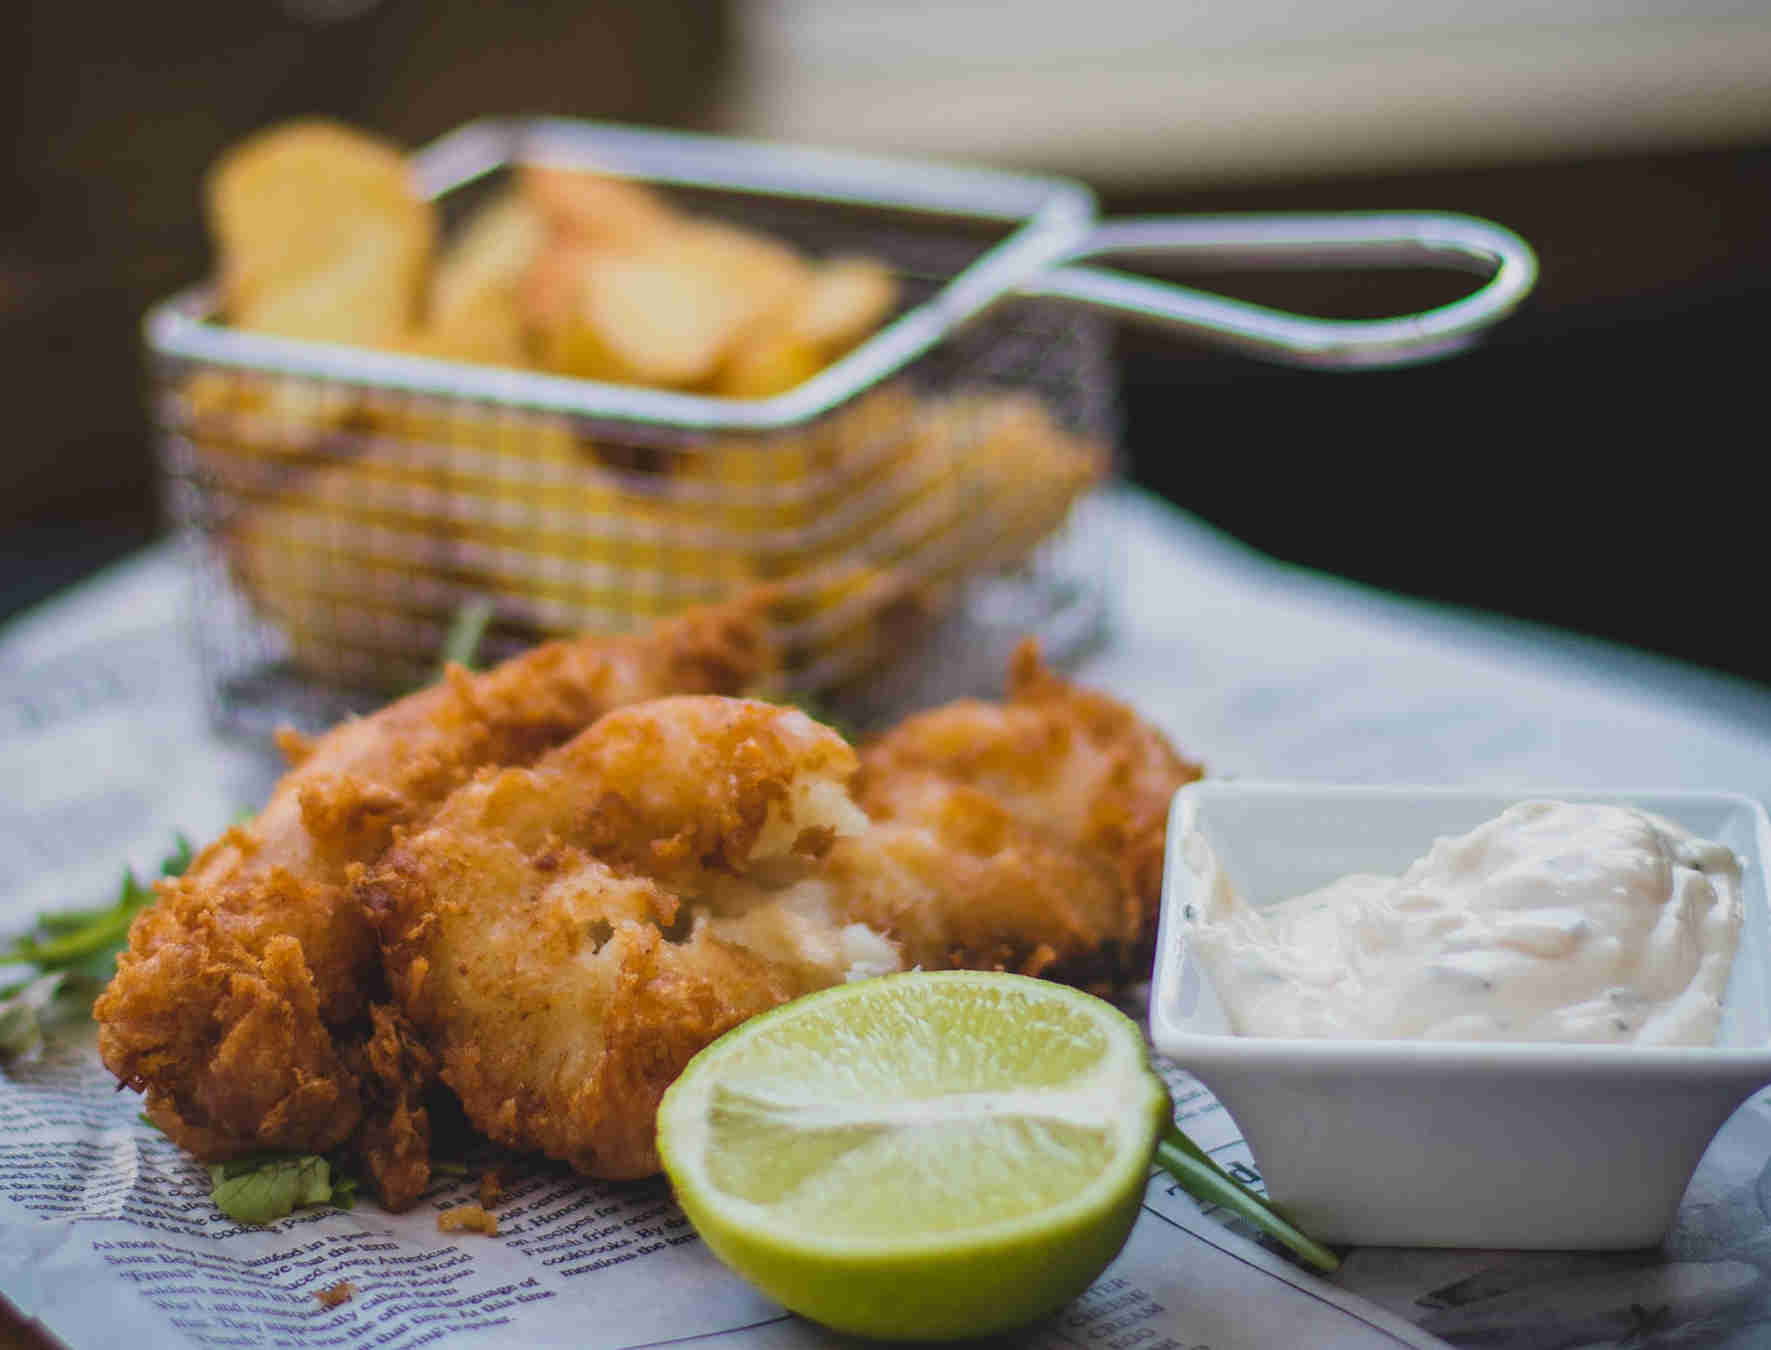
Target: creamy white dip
x: 1551, y: 922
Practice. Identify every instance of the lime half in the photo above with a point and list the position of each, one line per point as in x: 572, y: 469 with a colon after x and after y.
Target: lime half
x: 924, y: 1156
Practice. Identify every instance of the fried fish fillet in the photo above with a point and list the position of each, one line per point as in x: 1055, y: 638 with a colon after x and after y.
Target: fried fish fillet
x: 247, y: 1004
x: 1024, y: 835
x: 564, y: 938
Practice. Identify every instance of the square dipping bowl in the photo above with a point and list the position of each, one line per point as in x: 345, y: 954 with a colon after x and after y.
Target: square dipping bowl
x: 1450, y: 1143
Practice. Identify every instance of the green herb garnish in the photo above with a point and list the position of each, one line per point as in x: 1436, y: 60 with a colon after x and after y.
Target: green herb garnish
x: 265, y: 1187
x: 74, y: 953
x: 23, y: 1013
x: 467, y: 629
x: 269, y: 1186
x: 1204, y: 1180
x: 344, y: 1189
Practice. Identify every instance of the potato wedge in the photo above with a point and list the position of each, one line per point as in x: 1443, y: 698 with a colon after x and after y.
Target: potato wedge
x: 594, y: 210
x: 645, y: 320
x: 814, y: 315
x: 767, y: 360
x: 323, y: 234
x: 847, y: 299
x: 367, y: 296
x: 768, y: 277
x: 473, y: 310
x: 492, y: 334
x: 488, y: 256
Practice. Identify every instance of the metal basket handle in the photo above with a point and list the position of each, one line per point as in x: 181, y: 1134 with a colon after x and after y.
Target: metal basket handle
x: 1383, y: 239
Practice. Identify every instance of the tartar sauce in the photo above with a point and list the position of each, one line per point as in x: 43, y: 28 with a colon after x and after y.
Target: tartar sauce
x: 1551, y: 922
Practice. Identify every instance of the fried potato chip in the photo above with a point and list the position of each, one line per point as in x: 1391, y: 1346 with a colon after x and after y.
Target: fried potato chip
x: 366, y: 296
x: 548, y: 292
x: 767, y: 360
x: 627, y: 289
x: 649, y: 320
x: 1004, y: 447
x: 594, y: 210
x: 770, y: 277
x: 352, y: 564
x: 473, y: 311
x: 809, y: 316
x: 323, y: 234
x: 847, y: 299
x: 489, y: 255
x: 494, y: 335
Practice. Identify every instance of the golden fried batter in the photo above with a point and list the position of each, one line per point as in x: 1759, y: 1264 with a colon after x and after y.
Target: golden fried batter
x: 547, y: 886
x: 468, y: 1219
x: 1025, y: 835
x: 243, y: 1004
x: 566, y: 937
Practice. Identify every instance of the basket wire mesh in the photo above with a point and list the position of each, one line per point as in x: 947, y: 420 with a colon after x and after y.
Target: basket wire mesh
x: 335, y: 525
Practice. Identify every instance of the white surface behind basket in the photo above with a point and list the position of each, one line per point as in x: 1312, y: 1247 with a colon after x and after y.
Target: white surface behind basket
x: 1186, y: 91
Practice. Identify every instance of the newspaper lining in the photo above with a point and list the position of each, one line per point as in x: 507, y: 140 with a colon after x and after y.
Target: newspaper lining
x: 107, y: 1231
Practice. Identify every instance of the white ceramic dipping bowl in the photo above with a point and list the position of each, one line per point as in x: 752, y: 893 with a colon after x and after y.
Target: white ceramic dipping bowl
x: 1451, y: 1144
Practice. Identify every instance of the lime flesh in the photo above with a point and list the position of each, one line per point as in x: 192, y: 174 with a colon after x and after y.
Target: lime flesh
x: 924, y: 1156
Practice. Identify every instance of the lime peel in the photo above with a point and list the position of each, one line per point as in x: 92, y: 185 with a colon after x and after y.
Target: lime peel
x: 856, y: 1130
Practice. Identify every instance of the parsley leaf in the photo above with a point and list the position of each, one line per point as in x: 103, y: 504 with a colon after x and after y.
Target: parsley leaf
x: 1204, y: 1180
x: 467, y: 629
x: 344, y: 1189
x: 74, y: 952
x: 75, y: 939
x: 23, y: 1014
x: 268, y: 1187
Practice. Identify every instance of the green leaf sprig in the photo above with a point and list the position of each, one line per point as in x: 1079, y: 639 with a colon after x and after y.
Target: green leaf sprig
x: 264, y: 1187
x: 23, y: 1013
x: 467, y: 629
x: 73, y: 953
x: 269, y: 1186
x: 1205, y: 1181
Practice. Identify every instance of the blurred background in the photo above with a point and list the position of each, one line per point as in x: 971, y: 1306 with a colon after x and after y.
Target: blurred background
x: 1583, y: 468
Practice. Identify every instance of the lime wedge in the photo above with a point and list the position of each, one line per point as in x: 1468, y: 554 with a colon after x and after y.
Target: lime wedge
x: 923, y: 1156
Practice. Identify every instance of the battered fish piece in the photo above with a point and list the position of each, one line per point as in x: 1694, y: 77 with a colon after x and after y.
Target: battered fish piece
x: 244, y: 1006
x: 1026, y: 835
x: 565, y: 938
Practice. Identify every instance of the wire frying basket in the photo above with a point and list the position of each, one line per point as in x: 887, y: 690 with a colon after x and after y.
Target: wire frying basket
x: 905, y: 506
